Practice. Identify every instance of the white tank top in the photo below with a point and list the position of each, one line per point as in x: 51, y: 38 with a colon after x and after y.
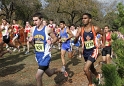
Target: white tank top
x: 5, y: 31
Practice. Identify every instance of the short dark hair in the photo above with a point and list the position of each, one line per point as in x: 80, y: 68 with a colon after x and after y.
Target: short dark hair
x: 106, y: 26
x: 15, y: 19
x: 4, y: 19
x: 89, y: 15
x: 51, y: 20
x: 62, y: 22
x: 72, y: 25
x: 39, y: 15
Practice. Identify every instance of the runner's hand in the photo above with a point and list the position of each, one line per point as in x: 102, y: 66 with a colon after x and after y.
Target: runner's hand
x: 49, y: 42
x: 102, y: 46
x: 30, y: 39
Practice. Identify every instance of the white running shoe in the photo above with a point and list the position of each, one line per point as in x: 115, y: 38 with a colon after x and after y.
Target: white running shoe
x: 14, y: 49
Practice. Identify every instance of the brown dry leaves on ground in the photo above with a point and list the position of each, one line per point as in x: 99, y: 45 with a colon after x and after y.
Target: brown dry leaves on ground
x: 18, y: 69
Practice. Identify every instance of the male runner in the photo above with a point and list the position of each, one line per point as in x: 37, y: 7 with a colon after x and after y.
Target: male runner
x: 106, y: 52
x: 42, y: 35
x: 5, y: 28
x: 16, y: 27
x: 90, y: 51
x: 65, y: 36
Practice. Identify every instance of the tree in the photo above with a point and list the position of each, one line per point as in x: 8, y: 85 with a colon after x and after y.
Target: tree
x: 7, y: 8
x: 119, y: 22
x: 26, y: 8
x: 19, y: 9
x: 71, y: 10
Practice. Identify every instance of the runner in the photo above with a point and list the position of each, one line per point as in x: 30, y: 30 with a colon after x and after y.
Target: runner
x: 65, y: 36
x: 90, y: 51
x: 42, y: 36
x: 52, y: 25
x: 44, y: 22
x: 27, y: 31
x: 106, y: 52
x: 5, y: 28
x: 16, y: 28
x: 75, y: 46
x: 57, y: 33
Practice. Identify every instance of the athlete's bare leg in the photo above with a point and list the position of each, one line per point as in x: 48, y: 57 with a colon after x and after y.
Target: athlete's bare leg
x: 108, y: 59
x: 87, y: 71
x: 63, y: 57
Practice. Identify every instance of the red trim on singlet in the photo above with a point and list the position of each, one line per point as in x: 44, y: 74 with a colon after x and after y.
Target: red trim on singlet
x: 108, y: 38
x: 15, y: 28
x: 27, y: 29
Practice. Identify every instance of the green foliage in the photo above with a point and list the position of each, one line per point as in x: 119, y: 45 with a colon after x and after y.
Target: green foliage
x: 121, y: 29
x: 114, y: 36
x: 119, y: 21
x: 118, y: 48
x: 111, y: 76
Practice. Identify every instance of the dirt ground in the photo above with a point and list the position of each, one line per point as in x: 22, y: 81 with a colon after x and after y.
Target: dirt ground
x: 18, y: 69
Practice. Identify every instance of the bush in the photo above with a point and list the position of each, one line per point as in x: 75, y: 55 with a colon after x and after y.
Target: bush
x: 111, y: 76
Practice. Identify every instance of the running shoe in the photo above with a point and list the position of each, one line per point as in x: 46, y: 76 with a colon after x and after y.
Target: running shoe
x: 26, y: 52
x: 63, y: 68
x: 14, y: 49
x: 65, y: 73
x: 99, y: 78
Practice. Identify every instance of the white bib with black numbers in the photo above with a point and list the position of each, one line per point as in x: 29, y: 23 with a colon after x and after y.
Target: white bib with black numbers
x: 106, y: 43
x: 39, y: 47
x: 89, y: 44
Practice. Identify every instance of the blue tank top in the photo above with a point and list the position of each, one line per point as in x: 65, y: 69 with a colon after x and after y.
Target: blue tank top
x: 41, y: 46
x: 64, y: 34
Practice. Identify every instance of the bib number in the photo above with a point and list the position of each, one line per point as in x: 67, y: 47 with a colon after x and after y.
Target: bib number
x: 15, y: 30
x: 39, y: 47
x: 3, y: 32
x: 106, y: 43
x: 29, y: 34
x: 89, y: 44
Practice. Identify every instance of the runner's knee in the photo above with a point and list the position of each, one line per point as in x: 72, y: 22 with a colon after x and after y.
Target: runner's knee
x: 86, y: 69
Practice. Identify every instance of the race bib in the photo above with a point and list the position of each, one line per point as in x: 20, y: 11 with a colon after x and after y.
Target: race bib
x: 14, y: 29
x: 3, y: 32
x: 106, y: 43
x: 29, y: 34
x: 89, y: 44
x: 63, y: 39
x: 72, y: 38
x: 39, y: 47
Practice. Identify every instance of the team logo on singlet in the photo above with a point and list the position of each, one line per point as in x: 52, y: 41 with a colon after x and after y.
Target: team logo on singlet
x: 89, y: 43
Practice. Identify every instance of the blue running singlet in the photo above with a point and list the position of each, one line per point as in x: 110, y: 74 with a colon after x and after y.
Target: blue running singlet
x: 42, y: 48
x: 65, y: 45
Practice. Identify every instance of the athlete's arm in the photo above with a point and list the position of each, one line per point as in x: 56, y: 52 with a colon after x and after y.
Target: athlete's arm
x: 9, y: 28
x: 1, y: 28
x: 51, y: 34
x: 70, y: 34
x: 31, y: 34
x: 78, y: 34
x: 98, y: 30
